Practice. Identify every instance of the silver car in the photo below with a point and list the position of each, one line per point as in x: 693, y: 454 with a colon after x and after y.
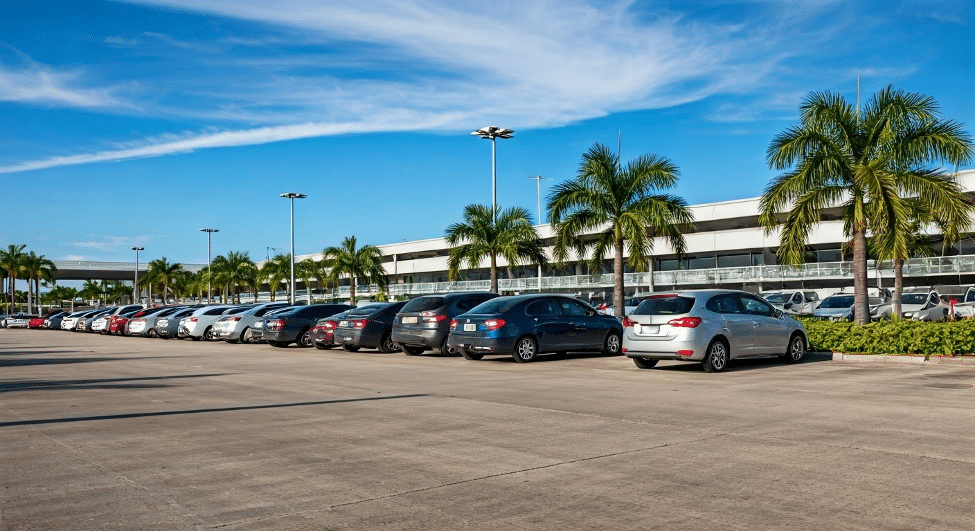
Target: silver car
x: 240, y: 326
x: 710, y: 327
x: 920, y: 306
x: 200, y: 324
x: 792, y: 302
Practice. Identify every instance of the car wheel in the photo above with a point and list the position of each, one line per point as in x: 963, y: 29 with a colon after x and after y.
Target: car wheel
x: 305, y: 339
x: 445, y: 349
x: 322, y: 346
x: 717, y: 356
x: 247, y: 336
x: 471, y: 355
x: 151, y: 333
x: 209, y: 334
x: 279, y: 344
x: 612, y: 344
x: 231, y: 341
x: 644, y: 363
x: 411, y: 351
x: 525, y: 350
x: 350, y: 348
x: 386, y: 345
x: 796, y: 349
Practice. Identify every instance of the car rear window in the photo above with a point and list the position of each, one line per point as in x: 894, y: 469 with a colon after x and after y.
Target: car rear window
x: 369, y: 309
x: 497, y: 305
x: 668, y: 305
x: 838, y: 302
x: 423, y: 304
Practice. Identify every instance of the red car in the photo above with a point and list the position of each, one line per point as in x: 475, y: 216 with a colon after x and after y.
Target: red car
x: 323, y: 331
x: 38, y: 322
x: 117, y: 325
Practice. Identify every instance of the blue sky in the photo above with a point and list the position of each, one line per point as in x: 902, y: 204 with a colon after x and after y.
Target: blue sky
x: 138, y: 123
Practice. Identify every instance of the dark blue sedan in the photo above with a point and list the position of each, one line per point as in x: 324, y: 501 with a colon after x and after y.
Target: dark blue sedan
x: 525, y: 326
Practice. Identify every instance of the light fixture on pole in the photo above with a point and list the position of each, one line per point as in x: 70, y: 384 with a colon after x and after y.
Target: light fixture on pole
x: 292, y: 196
x: 539, y: 221
x: 135, y: 277
x: 210, y: 296
x: 492, y: 132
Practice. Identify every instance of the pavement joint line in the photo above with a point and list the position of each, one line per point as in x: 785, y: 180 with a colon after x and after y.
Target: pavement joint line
x: 32, y: 422
x: 471, y: 480
x: 848, y: 447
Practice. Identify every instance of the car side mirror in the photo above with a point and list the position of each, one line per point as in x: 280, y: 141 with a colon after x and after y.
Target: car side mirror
x: 777, y: 313
x: 788, y: 306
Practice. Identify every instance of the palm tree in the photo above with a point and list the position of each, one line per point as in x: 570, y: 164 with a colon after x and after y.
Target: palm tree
x: 11, y: 260
x: 238, y: 263
x: 621, y: 202
x: 164, y: 273
x: 867, y: 162
x: 347, y: 260
x: 277, y: 270
x: 251, y: 277
x: 511, y: 236
x: 90, y: 290
x: 36, y: 268
x: 306, y: 270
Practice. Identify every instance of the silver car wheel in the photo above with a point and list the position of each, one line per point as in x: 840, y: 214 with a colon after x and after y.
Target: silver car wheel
x: 796, y: 349
x: 525, y: 349
x: 717, y: 357
x: 612, y: 345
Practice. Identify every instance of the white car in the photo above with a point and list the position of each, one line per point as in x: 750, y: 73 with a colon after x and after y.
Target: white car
x: 962, y: 310
x: 200, y: 324
x: 792, y: 302
x: 238, y: 326
x: 919, y: 306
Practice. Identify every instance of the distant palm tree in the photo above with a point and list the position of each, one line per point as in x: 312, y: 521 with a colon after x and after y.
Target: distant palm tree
x: 277, y: 270
x: 347, y: 260
x: 164, y: 273
x: 252, y: 279
x: 623, y: 204
x: 36, y: 268
x: 511, y: 236
x: 91, y: 290
x: 238, y: 263
x: 11, y: 260
x: 307, y: 270
x: 867, y: 162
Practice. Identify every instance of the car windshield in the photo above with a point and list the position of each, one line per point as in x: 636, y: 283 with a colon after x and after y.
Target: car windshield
x: 665, y: 305
x: 369, y: 309
x: 777, y: 298
x: 497, y: 305
x: 839, y: 302
x: 914, y: 298
x: 423, y: 304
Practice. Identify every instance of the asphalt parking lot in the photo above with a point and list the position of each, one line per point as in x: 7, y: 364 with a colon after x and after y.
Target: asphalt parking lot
x: 130, y: 433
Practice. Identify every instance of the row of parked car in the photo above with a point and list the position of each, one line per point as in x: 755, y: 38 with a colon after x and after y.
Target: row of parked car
x: 917, y: 305
x: 710, y: 327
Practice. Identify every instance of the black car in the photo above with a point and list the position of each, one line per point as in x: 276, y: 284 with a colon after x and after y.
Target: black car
x: 524, y: 326
x: 295, y: 324
x: 423, y: 323
x: 368, y: 326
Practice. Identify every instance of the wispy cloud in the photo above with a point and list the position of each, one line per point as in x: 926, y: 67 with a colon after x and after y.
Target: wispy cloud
x: 24, y: 80
x: 420, y: 64
x: 110, y: 243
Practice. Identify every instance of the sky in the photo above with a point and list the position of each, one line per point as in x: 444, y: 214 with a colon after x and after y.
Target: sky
x: 137, y: 123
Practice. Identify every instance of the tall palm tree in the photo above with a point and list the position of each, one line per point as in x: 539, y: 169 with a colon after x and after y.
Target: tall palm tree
x: 347, y: 260
x: 11, y: 260
x: 511, y: 236
x: 164, y: 273
x: 307, y: 270
x: 238, y: 263
x: 624, y: 204
x: 276, y: 271
x: 251, y: 277
x: 866, y: 162
x: 36, y: 268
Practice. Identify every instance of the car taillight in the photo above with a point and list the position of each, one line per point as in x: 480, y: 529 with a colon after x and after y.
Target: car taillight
x: 325, y: 326
x: 431, y: 317
x: 138, y: 320
x: 193, y: 319
x: 686, y: 322
x: 275, y: 325
x: 234, y: 319
x: 628, y: 322
x: 494, y: 324
x: 358, y: 323
x: 454, y: 324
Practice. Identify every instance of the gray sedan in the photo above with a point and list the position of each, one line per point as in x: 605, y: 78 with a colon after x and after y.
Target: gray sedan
x: 710, y: 327
x: 239, y: 326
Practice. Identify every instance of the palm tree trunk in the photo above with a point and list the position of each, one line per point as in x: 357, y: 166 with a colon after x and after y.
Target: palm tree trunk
x: 493, y: 275
x: 897, y: 290
x: 352, y: 290
x: 860, y: 269
x: 619, y: 277
x: 30, y: 295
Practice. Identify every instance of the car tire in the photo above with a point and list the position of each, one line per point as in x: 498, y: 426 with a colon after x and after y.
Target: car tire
x: 151, y: 332
x: 350, y: 348
x: 411, y: 351
x: 471, y: 355
x: 305, y: 339
x: 717, y: 356
x: 320, y: 346
x: 645, y: 363
x: 247, y: 336
x: 209, y: 334
x: 231, y: 341
x: 445, y: 350
x: 386, y: 345
x: 525, y: 350
x: 279, y: 344
x: 795, y: 349
x: 612, y: 344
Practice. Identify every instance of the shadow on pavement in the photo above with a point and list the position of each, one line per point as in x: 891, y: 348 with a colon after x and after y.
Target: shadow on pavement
x: 103, y: 383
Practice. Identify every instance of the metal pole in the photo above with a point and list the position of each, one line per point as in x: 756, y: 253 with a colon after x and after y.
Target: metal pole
x: 210, y: 272
x: 493, y: 182
x: 291, y: 291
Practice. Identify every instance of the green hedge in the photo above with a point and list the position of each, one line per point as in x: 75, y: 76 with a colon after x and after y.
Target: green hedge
x: 887, y: 337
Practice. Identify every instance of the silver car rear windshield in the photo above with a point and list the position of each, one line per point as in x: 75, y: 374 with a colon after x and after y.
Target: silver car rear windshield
x: 838, y: 302
x: 423, y: 304
x: 497, y: 305
x: 668, y: 305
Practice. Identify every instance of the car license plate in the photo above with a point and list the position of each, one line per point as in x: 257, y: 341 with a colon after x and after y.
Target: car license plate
x: 409, y: 320
x: 470, y: 327
x: 343, y: 323
x: 646, y: 329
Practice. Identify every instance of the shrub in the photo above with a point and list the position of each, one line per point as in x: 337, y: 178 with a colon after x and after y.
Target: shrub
x: 887, y: 337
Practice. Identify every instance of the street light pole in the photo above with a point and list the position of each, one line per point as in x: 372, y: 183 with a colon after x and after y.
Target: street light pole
x: 539, y: 221
x: 135, y: 277
x: 210, y: 295
x: 292, y: 196
x: 492, y: 132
